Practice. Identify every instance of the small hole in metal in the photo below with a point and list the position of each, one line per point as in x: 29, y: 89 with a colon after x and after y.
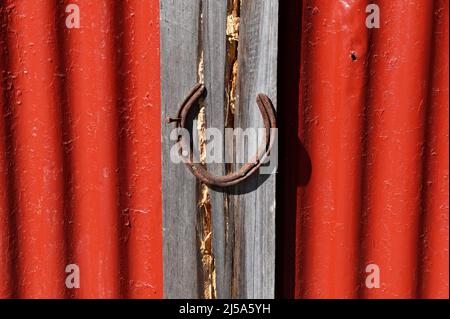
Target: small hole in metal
x: 354, y: 57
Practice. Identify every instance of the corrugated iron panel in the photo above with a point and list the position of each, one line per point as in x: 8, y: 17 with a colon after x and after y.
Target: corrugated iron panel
x: 80, y: 151
x: 363, y: 159
x: 370, y: 158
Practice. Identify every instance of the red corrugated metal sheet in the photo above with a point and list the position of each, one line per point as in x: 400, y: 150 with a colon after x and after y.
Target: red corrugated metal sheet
x: 364, y: 149
x: 80, y: 149
x: 370, y: 179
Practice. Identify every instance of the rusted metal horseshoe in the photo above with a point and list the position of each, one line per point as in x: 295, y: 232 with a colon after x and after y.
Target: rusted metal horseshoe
x: 267, y: 112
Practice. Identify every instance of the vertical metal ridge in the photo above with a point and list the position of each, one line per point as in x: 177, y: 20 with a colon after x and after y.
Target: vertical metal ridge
x: 400, y: 64
x: 93, y: 112
x: 140, y: 157
x: 333, y: 89
x: 37, y: 155
x: 434, y: 263
x: 7, y: 248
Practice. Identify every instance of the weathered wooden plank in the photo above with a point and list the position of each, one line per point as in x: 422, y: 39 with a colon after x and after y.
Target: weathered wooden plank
x: 243, y: 218
x: 179, y: 56
x: 214, y: 47
x: 254, y: 209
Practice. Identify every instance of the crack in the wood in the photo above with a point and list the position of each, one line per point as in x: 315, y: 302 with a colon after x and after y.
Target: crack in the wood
x: 208, y: 271
x: 231, y: 67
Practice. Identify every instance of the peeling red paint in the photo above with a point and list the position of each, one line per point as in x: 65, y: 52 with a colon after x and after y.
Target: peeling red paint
x: 371, y: 178
x: 364, y: 133
x: 80, y: 149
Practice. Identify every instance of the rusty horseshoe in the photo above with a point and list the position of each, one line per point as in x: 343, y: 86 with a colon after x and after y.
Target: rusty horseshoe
x: 197, y: 169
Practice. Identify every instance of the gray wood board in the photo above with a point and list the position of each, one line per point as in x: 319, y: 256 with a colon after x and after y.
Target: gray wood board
x: 214, y: 45
x: 179, y: 36
x: 255, y: 210
x: 244, y: 232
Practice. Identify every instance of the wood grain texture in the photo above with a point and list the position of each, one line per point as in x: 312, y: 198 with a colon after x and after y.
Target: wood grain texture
x: 214, y: 46
x: 179, y: 53
x: 254, y: 210
x: 243, y: 218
